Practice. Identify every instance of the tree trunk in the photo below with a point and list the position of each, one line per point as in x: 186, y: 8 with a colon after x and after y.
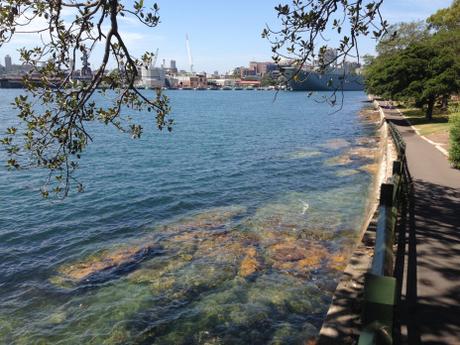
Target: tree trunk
x: 445, y: 102
x: 429, y: 109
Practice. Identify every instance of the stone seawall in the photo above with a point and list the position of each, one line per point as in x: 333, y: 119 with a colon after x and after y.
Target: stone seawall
x: 342, y: 324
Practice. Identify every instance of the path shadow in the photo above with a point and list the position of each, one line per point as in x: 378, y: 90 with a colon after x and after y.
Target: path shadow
x: 431, y: 305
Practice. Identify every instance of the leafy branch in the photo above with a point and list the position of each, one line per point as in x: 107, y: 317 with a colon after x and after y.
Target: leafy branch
x: 301, y: 38
x: 58, y: 107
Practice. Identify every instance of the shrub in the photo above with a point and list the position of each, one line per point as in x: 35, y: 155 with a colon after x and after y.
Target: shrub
x: 454, y: 151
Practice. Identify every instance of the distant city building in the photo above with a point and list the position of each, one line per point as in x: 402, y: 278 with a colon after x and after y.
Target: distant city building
x: 192, y: 81
x: 248, y: 83
x: 224, y: 82
x: 255, y: 69
x: 172, y: 67
x: 14, y: 70
x: 153, y: 77
x: 262, y: 68
x: 8, y: 64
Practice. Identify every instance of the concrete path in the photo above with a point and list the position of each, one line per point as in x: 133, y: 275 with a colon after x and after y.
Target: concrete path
x: 431, y: 297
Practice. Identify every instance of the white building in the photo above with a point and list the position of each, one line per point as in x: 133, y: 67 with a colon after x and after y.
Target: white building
x: 152, y: 77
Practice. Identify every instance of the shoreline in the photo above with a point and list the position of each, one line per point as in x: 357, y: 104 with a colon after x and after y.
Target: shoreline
x: 342, y: 322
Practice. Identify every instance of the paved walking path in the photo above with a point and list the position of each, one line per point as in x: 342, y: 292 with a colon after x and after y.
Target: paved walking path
x: 431, y: 299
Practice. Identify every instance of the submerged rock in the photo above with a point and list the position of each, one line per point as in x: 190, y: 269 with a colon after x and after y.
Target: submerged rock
x: 214, y: 218
x: 363, y: 152
x: 351, y: 155
x: 304, y: 154
x: 286, y: 333
x: 336, y: 143
x: 367, y: 141
x: 298, y: 258
x: 370, y: 168
x: 339, y: 160
x: 104, y: 261
x: 200, y: 233
x: 338, y: 261
x: 218, y: 282
x: 347, y: 172
x: 250, y: 263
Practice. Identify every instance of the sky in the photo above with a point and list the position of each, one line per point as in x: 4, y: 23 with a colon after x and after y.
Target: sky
x: 222, y: 34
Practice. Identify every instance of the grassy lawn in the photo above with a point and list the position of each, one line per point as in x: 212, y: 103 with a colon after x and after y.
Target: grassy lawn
x: 416, y: 117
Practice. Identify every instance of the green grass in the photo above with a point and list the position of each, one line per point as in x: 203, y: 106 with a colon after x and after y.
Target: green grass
x: 416, y: 117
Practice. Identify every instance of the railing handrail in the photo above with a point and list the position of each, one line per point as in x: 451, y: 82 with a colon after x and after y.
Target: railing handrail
x: 380, y: 285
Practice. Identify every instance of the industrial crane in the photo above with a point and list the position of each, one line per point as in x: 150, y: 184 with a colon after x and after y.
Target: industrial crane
x: 189, y: 52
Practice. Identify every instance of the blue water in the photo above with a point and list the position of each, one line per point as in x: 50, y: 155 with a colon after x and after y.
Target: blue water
x: 242, y: 175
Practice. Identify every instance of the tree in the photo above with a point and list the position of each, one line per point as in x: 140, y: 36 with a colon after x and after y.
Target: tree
x: 446, y: 18
x: 422, y: 72
x: 402, y: 35
x: 57, y: 108
x: 419, y: 62
x: 367, y: 59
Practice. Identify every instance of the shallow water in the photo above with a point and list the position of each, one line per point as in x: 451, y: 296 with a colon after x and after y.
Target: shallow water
x: 233, y: 229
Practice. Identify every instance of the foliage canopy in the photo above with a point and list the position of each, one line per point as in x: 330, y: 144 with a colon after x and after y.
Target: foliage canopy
x: 425, y: 68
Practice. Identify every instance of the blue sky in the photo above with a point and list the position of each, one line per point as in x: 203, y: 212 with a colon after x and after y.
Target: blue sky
x: 223, y: 34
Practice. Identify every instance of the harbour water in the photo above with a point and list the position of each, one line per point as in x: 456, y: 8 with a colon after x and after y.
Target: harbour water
x: 232, y: 229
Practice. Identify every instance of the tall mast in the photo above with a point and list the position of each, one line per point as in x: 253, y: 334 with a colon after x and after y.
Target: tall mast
x: 189, y: 52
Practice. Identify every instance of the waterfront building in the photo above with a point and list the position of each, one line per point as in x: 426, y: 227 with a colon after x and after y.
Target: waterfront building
x: 152, y: 77
x: 242, y: 72
x: 255, y: 69
x: 192, y: 81
x: 248, y: 83
x: 262, y: 68
x: 13, y: 69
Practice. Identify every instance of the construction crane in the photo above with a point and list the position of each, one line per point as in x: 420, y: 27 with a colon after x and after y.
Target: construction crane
x: 189, y: 52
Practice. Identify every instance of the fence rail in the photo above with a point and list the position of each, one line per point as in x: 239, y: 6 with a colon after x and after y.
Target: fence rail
x: 381, y: 285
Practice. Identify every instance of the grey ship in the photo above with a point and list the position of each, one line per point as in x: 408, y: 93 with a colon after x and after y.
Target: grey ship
x: 332, y: 80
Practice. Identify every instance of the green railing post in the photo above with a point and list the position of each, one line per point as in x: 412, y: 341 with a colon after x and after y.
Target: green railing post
x: 378, y: 311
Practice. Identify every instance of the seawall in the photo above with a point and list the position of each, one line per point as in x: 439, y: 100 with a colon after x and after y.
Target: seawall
x: 342, y: 324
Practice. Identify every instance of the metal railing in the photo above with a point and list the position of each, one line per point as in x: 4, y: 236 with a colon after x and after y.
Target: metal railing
x: 381, y: 285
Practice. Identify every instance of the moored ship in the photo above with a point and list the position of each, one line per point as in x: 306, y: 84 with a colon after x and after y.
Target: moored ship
x: 332, y: 80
